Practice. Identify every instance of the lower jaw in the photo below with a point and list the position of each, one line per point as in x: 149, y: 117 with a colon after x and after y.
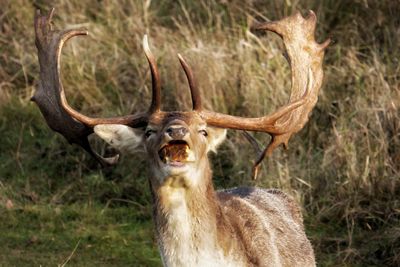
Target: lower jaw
x: 177, y: 176
x: 174, y: 168
x: 177, y: 170
x: 176, y: 164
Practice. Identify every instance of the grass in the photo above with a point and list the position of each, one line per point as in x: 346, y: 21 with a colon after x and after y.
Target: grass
x: 76, y: 235
x: 343, y: 167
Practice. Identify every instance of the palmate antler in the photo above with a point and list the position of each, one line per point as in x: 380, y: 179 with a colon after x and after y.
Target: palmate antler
x: 50, y: 96
x: 305, y: 58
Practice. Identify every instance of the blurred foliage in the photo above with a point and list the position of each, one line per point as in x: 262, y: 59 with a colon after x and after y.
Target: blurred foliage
x: 56, y: 205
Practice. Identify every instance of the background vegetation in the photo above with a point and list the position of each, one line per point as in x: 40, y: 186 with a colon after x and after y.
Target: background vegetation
x: 57, y: 207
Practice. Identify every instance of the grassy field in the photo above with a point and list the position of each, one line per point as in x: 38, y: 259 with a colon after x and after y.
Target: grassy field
x: 58, y: 208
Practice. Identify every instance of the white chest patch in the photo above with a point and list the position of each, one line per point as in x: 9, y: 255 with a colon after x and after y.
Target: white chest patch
x: 186, y: 241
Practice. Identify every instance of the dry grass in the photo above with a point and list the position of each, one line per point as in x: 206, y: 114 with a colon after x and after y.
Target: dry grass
x: 344, y: 166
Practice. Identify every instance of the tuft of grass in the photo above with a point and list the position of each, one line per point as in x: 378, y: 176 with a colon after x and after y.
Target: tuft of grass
x: 343, y: 167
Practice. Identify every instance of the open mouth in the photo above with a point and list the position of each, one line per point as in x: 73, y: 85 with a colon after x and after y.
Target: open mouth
x: 175, y: 152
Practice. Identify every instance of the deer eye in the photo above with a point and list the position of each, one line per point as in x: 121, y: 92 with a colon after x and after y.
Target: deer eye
x: 203, y: 132
x: 148, y: 133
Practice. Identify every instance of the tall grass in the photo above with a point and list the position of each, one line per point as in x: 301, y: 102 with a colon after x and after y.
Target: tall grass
x: 344, y: 167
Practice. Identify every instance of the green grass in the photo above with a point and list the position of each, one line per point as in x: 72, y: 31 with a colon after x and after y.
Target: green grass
x: 343, y: 167
x: 84, y: 235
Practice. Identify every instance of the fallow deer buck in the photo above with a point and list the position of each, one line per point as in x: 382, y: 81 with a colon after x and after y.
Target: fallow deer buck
x: 196, y: 225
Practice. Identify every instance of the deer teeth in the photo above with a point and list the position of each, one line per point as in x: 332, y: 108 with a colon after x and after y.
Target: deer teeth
x: 176, y: 152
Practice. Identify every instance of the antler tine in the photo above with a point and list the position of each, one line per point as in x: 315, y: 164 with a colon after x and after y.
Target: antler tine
x: 194, y: 90
x: 155, y: 77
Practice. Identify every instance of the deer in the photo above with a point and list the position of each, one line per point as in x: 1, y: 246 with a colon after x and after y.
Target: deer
x: 195, y: 224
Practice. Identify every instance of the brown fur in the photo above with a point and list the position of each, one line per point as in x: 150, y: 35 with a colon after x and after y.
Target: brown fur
x: 198, y: 226
x: 275, y: 221
x: 260, y: 227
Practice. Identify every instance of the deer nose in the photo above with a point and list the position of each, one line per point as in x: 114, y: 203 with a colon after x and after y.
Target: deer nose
x: 176, y: 132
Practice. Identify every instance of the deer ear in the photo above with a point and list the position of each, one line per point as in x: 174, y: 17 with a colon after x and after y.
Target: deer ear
x: 215, y: 137
x: 121, y: 137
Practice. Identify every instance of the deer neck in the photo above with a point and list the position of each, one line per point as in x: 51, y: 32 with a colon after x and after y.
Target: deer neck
x: 186, y: 219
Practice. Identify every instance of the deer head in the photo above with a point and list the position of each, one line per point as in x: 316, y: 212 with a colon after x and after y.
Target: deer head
x: 177, y: 143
